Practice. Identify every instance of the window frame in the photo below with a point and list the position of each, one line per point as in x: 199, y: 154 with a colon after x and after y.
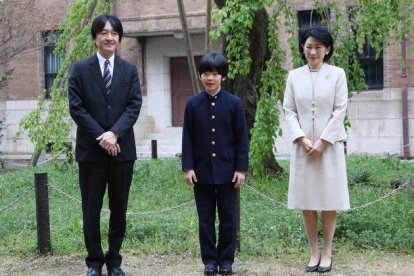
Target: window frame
x: 369, y: 62
x: 51, y: 61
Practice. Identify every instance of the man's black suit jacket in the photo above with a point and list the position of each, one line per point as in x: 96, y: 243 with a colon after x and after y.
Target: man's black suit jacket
x: 95, y: 112
x: 215, y: 142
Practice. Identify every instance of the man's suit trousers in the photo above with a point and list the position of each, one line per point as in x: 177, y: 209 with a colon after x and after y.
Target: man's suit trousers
x: 94, y: 177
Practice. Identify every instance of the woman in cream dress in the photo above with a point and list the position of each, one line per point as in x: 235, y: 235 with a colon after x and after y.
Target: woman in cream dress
x: 315, y: 105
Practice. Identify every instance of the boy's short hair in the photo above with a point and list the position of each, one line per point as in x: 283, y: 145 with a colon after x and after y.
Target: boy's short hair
x: 99, y: 22
x: 214, y: 63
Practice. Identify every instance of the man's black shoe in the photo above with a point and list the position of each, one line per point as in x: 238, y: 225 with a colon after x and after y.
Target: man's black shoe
x: 225, y: 269
x: 210, y: 269
x: 115, y: 271
x: 94, y: 271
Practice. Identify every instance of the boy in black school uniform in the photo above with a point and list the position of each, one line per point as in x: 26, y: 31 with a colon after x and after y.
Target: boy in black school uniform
x: 215, y: 161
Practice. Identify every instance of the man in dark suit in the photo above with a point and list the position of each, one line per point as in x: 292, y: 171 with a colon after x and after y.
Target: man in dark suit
x: 214, y: 161
x: 104, y: 101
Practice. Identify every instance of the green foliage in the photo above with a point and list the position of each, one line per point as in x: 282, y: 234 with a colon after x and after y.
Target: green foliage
x: 5, y: 77
x: 267, y: 229
x: 236, y: 19
x: 3, y: 83
x: 49, y: 122
x: 377, y: 20
x: 291, y: 25
x: 360, y: 177
x: 383, y: 225
x: 271, y: 91
x: 344, y: 38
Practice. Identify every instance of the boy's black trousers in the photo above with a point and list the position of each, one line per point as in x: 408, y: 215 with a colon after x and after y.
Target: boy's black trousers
x: 209, y: 198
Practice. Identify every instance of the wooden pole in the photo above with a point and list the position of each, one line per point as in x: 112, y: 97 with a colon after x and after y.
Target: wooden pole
x: 208, y: 27
x: 154, y: 150
x: 42, y: 213
x: 190, y: 58
x: 404, y: 102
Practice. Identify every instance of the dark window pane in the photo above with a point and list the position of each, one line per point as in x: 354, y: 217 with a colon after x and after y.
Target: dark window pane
x: 52, y: 62
x: 310, y: 18
x: 373, y: 68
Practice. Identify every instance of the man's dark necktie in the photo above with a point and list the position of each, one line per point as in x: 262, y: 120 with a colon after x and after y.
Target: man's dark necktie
x: 107, y: 78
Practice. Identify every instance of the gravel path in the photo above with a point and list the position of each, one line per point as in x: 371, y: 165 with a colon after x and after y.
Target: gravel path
x: 370, y: 263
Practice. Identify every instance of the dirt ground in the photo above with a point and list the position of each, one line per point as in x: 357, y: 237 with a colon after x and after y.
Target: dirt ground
x: 363, y: 264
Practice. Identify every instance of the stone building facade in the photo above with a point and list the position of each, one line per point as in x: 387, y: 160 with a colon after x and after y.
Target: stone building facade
x: 153, y: 40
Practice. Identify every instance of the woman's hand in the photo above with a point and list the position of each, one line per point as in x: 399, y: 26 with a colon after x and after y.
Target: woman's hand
x: 318, y: 148
x: 305, y: 143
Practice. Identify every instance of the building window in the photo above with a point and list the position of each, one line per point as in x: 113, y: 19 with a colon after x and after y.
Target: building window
x: 311, y: 18
x: 52, y: 61
x: 373, y: 67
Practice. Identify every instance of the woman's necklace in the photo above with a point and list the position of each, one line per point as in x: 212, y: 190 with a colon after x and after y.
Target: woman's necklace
x: 314, y: 70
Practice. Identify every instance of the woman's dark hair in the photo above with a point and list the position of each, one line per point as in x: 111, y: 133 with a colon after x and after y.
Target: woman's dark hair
x: 214, y: 62
x: 320, y: 33
x: 99, y: 22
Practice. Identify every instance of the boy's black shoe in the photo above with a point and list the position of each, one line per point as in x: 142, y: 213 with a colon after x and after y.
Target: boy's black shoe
x: 225, y: 269
x: 210, y: 269
x: 94, y: 271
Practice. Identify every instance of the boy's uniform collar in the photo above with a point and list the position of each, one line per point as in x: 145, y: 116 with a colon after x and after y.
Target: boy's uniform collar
x: 214, y: 96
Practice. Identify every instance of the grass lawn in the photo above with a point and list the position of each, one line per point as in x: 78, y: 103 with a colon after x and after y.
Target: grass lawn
x: 268, y: 230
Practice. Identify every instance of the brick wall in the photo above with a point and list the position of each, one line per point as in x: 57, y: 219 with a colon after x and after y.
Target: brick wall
x: 147, y: 8
x: 131, y: 49
x: 147, y: 16
x: 27, y: 81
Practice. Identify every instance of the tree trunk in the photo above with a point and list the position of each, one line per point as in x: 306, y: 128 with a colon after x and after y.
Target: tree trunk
x: 248, y: 87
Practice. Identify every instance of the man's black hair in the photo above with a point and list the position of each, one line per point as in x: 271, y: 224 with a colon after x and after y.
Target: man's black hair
x: 99, y: 22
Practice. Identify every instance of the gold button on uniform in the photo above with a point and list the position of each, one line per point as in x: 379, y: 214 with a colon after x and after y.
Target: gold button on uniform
x: 214, y: 155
